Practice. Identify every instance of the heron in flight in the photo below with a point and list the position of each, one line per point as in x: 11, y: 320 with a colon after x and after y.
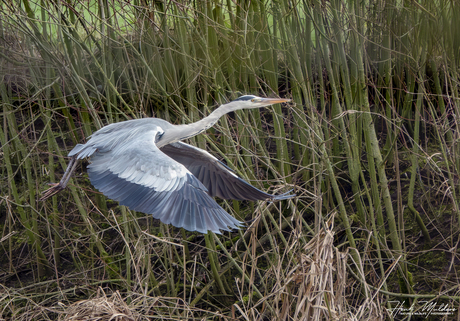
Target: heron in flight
x: 144, y: 165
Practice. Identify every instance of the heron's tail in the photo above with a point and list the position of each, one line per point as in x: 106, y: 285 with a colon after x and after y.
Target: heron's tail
x: 82, y: 150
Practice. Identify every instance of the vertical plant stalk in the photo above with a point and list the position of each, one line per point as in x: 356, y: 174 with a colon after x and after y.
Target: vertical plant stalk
x: 372, y: 145
x: 353, y: 145
x: 288, y: 29
x: 329, y: 168
x: 10, y: 130
x: 46, y: 106
x: 374, y: 152
x: 240, y: 270
x: 213, y: 261
x: 414, y: 160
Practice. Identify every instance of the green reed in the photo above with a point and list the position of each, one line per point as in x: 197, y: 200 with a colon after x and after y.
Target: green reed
x: 374, y: 98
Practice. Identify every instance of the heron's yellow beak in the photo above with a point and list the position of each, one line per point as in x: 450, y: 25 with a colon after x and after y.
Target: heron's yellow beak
x: 272, y: 101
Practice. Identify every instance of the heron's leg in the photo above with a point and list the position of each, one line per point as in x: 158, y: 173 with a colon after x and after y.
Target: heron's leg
x: 56, y: 188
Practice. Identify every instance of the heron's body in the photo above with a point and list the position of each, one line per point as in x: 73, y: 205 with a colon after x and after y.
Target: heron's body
x: 143, y: 164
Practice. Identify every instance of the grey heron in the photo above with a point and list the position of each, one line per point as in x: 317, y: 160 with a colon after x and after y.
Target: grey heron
x: 143, y: 164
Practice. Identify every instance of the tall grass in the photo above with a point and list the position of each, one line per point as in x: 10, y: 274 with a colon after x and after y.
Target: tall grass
x: 369, y: 144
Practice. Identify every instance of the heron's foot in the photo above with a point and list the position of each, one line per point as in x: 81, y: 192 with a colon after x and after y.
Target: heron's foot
x: 55, y: 188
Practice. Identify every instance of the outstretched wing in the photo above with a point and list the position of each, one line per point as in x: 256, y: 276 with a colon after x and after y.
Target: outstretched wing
x: 140, y: 176
x: 215, y: 175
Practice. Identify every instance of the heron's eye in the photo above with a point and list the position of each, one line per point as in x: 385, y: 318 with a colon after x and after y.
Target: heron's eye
x: 253, y: 100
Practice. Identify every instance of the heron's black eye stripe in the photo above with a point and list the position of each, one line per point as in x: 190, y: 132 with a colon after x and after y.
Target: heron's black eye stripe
x: 245, y: 97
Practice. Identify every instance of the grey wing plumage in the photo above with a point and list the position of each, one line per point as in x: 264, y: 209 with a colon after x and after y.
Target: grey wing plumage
x: 216, y: 176
x: 136, y: 173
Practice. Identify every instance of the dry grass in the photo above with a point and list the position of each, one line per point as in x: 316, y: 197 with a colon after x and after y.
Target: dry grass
x: 100, y: 308
x: 316, y: 288
x: 371, y: 134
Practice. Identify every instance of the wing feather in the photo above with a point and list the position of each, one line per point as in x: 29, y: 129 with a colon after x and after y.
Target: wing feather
x: 140, y: 176
x: 215, y: 175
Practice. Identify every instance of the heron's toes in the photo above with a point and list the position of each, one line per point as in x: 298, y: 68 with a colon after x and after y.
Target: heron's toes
x: 56, y: 188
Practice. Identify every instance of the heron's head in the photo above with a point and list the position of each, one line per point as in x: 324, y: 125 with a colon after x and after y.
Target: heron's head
x: 251, y: 101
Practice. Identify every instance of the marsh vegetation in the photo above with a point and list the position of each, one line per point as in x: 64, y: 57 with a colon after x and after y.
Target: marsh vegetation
x: 368, y: 143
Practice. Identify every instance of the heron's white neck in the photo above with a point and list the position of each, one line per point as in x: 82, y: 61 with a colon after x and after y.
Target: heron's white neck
x: 181, y: 132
